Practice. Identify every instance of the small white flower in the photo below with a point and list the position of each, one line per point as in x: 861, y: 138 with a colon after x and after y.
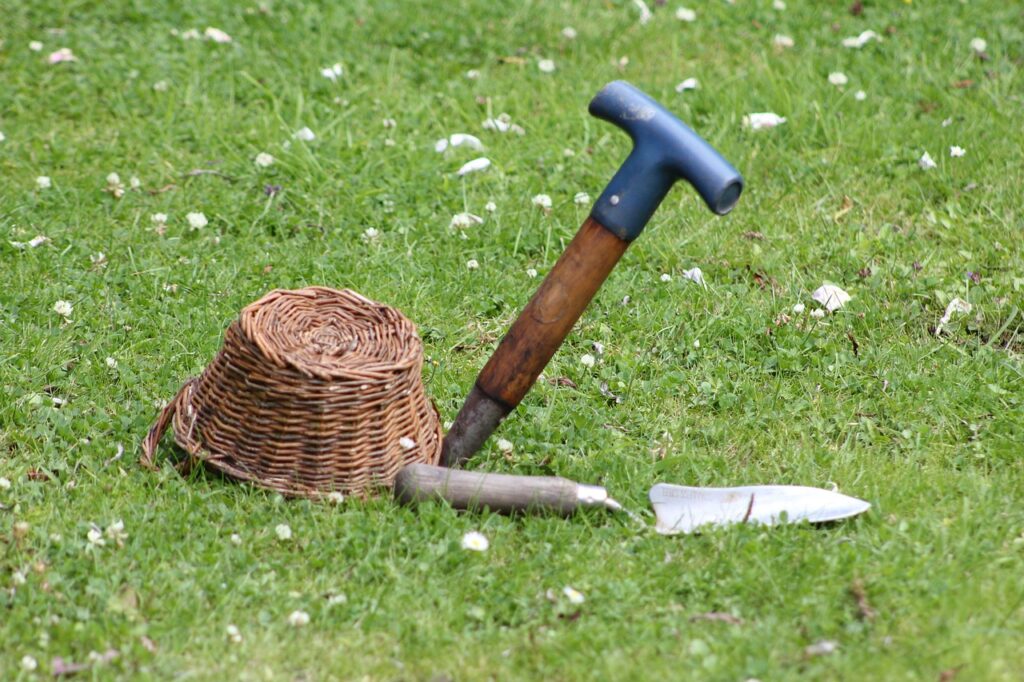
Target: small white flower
x: 686, y: 14
x: 95, y: 537
x: 441, y: 145
x: 304, y: 134
x: 111, y: 362
x: 283, y: 531
x: 370, y: 235
x: 574, y: 596
x: 860, y: 95
x: 115, y: 532
x: 665, y: 277
x: 98, y: 260
x: 546, y: 66
x: 696, y: 343
x: 2, y: 136
x: 956, y: 151
x: 216, y: 35
x: 926, y: 162
x: 197, y: 220
x: 838, y: 78
x: 297, y: 619
x: 694, y: 275
x: 160, y: 86
x: 44, y: 182
x: 472, y: 264
x: 233, y: 633
x: 336, y: 599
x: 569, y: 33
x: 18, y: 578
x: 818, y: 313
x: 531, y: 272
x: 134, y: 182
x: 490, y: 207
x: 861, y: 40
x: 5, y: 483
x: 504, y: 445
x: 542, y: 200
x: 761, y: 121
x: 822, y: 648
x: 64, y: 54
x: 946, y: 122
x: 799, y: 308
x: 461, y: 221
x: 236, y: 539
x: 581, y: 199
x: 264, y: 159
x: 406, y: 443
x: 465, y: 139
x: 831, y: 297
x: 332, y: 72
x: 190, y: 34
x: 35, y: 46
x: 63, y: 308
x: 28, y: 664
x: 688, y: 84
x: 158, y: 218
x: 783, y: 41
x: 779, y: 5
x: 474, y: 166
x: 475, y: 542
x: 473, y: 74
x: 335, y: 497
x: 113, y: 179
x: 587, y: 360
x: 978, y: 45
x: 502, y: 124
x: 388, y: 122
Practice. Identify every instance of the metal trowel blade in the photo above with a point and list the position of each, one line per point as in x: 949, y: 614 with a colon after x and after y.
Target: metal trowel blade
x: 682, y: 509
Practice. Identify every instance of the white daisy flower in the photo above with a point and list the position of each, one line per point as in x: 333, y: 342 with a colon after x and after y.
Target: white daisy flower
x: 473, y: 74
x: 761, y: 121
x: 63, y: 308
x: 64, y: 54
x: 688, y: 84
x: 388, y: 122
x: 263, y: 160
x: 783, y: 41
x: 490, y: 207
x: 504, y: 445
x: 587, y: 360
x: 134, y: 182
x: 5, y: 483
x: 472, y: 264
x: 18, y: 578
x: 197, y: 220
x: 35, y: 46
x: 333, y: 72
x: 298, y: 619
x: 581, y: 199
x: 475, y: 541
x: 779, y: 5
x: 28, y: 663
x: 569, y: 33
x: 216, y: 35
x: 978, y: 45
x: 474, y: 166
x: 95, y: 537
x: 370, y: 235
x: 860, y: 95
x: 838, y: 78
x: 406, y: 443
x: 665, y: 277
x: 2, y: 136
x: 956, y: 151
x: 831, y: 297
x: 304, y: 134
x: 335, y: 497
x: 531, y: 272
x: 696, y: 343
x: 799, y: 308
x: 818, y: 313
x: 115, y: 532
x: 926, y: 162
x: 542, y: 200
x: 111, y: 362
x: 44, y: 182
x: 283, y: 531
x: 461, y: 221
x: 236, y: 539
x: 686, y: 14
x: 233, y: 633
x: 546, y: 66
x: 574, y: 596
x: 160, y: 86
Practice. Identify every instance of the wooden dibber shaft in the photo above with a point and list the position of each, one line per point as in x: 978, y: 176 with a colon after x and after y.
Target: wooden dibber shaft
x: 534, y: 337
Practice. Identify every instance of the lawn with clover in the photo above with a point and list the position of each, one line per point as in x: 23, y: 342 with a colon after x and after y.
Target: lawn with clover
x: 165, y: 164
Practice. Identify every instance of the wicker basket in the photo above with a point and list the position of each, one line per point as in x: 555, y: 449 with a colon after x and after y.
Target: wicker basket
x: 313, y: 391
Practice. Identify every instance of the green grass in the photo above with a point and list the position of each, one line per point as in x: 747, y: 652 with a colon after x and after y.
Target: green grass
x: 928, y: 429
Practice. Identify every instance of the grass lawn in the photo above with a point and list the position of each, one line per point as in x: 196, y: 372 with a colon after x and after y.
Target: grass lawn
x: 927, y: 427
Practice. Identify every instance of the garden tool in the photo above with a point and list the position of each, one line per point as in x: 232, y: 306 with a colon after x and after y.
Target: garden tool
x: 677, y: 508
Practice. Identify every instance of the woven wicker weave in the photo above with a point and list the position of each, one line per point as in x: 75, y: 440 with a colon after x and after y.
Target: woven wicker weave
x: 313, y: 391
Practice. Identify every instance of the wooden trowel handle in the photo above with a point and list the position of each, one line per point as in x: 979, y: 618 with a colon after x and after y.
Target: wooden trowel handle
x: 477, y: 490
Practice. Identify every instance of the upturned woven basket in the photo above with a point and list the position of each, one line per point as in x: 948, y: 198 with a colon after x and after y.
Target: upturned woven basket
x: 314, y: 391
